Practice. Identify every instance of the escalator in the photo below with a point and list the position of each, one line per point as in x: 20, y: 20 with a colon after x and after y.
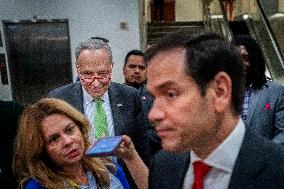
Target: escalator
x: 257, y: 19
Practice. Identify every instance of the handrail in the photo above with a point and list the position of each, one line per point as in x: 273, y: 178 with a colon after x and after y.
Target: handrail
x: 271, y: 34
x: 228, y: 32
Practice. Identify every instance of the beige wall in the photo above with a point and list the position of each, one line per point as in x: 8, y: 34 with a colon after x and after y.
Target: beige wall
x: 281, y: 6
x: 188, y: 10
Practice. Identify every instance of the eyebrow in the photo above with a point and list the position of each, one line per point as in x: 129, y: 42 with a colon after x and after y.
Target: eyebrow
x: 163, y: 86
x: 56, y: 134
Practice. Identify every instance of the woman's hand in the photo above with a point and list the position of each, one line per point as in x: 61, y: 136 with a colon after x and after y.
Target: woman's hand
x: 126, y: 149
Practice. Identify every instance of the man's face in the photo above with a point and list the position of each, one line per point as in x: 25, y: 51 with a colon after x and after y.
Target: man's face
x: 244, y: 53
x: 248, y: 69
x: 135, y: 70
x: 94, y: 68
x: 184, y: 120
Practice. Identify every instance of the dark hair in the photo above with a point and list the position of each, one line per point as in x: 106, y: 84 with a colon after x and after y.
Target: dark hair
x: 206, y: 55
x: 101, y: 38
x: 256, y: 60
x: 133, y: 52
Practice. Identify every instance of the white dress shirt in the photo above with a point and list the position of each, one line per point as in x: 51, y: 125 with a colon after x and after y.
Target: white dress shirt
x: 89, y: 105
x: 222, y: 161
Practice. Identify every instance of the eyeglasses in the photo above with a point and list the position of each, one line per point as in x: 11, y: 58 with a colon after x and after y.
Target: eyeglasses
x: 101, y: 77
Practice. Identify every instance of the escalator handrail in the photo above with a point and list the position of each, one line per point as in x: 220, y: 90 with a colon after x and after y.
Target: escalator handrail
x: 271, y: 34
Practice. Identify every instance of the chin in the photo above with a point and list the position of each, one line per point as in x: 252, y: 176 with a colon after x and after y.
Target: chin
x: 171, y: 147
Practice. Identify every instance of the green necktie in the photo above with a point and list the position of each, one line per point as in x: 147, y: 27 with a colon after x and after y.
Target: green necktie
x: 100, y: 120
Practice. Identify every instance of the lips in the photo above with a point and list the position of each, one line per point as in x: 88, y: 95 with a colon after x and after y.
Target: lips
x: 136, y: 77
x: 73, y: 153
x: 162, y: 132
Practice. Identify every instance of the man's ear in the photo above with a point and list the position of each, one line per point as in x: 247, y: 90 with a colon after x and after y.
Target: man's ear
x: 222, y: 91
x: 123, y: 70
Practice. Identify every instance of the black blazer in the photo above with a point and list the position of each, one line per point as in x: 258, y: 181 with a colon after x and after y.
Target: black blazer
x: 260, y: 165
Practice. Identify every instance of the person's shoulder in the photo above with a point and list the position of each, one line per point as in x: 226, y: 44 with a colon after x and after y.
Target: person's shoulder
x: 123, y: 88
x: 166, y: 157
x: 263, y: 148
x: 274, y: 85
x: 63, y: 89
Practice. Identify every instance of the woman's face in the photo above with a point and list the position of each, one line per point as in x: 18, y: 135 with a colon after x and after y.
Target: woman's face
x: 63, y: 140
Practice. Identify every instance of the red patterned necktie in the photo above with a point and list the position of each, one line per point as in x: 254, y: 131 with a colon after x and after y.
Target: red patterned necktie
x: 200, y: 171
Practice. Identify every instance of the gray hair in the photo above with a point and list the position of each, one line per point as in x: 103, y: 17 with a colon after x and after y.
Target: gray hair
x: 93, y: 43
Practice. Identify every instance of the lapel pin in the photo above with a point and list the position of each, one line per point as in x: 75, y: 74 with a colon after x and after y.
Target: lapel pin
x: 267, y: 106
x: 119, y: 105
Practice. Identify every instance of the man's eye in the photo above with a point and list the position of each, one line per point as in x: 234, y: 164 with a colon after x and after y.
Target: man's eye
x: 171, y: 94
x: 131, y: 66
x: 103, y: 74
x: 86, y: 73
x: 141, y: 67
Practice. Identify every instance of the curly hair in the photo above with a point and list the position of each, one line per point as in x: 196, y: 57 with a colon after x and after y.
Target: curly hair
x: 257, y: 62
x: 30, y: 157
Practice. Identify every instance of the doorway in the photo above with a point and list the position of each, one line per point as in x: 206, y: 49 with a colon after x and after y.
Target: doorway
x: 39, y: 57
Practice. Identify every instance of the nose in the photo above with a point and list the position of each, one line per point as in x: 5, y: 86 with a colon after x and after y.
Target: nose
x: 137, y: 69
x: 156, y: 113
x: 96, y: 82
x: 67, y: 140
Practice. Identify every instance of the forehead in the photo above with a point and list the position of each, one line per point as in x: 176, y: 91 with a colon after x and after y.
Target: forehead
x: 167, y: 67
x: 55, y: 123
x: 93, y: 57
x: 136, y: 59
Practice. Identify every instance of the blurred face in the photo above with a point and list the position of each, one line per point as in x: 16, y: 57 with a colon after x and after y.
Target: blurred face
x: 94, y: 68
x: 245, y: 57
x: 184, y: 120
x: 243, y: 51
x: 63, y: 140
x: 135, y: 70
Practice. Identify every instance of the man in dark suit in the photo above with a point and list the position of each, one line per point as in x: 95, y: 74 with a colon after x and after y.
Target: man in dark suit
x: 9, y: 115
x: 263, y: 108
x: 121, y: 103
x: 134, y: 71
x: 198, y: 86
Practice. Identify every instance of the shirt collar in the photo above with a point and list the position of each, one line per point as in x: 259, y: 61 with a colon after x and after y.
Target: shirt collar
x: 225, y: 155
x: 88, y: 98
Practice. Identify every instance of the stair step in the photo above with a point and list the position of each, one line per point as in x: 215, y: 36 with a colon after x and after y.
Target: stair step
x: 171, y: 28
x: 174, y: 24
x: 157, y: 30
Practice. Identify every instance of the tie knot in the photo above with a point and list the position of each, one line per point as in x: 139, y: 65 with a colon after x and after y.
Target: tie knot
x: 98, y: 99
x: 200, y: 170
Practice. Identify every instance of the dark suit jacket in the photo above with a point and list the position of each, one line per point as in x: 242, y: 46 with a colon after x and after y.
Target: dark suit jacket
x: 9, y: 114
x: 266, y: 112
x: 154, y: 139
x: 260, y: 165
x: 127, y: 112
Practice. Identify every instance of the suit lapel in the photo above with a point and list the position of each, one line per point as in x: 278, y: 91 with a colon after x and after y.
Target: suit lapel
x: 116, y: 104
x: 250, y: 162
x: 76, y: 97
x: 254, y: 98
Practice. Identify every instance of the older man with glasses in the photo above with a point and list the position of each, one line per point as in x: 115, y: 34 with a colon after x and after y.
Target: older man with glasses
x: 112, y: 108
